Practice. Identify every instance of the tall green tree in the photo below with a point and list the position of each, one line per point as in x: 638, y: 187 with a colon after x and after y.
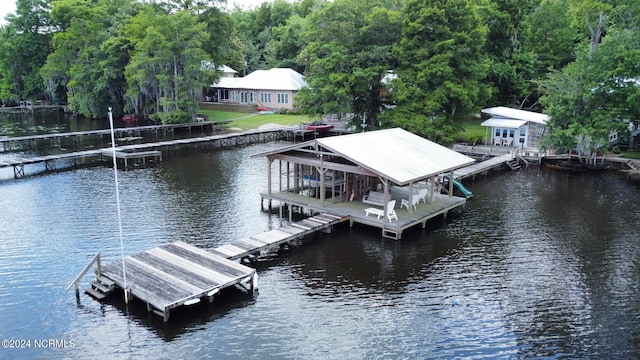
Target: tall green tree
x: 25, y: 43
x: 348, y: 53
x: 165, y: 73
x: 89, y: 54
x: 441, y: 67
x: 286, y: 43
x: 510, y: 64
x: 592, y: 97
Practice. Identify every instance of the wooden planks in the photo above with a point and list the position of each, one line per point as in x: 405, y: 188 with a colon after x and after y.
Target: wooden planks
x: 167, y: 276
x: 170, y: 275
x: 275, y: 238
x: 481, y: 167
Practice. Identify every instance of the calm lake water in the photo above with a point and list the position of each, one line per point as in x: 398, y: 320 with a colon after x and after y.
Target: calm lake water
x: 541, y: 263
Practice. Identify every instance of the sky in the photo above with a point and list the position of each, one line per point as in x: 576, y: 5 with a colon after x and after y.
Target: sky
x: 6, y: 6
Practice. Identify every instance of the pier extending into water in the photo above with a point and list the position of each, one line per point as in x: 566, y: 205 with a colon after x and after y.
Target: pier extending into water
x: 97, y: 136
x: 179, y: 274
x: 142, y: 153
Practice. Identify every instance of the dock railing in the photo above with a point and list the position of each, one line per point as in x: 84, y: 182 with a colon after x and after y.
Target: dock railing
x: 94, y: 260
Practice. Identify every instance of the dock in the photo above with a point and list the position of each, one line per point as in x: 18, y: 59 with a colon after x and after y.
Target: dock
x: 10, y: 143
x: 145, y: 152
x: 134, y: 158
x: 482, y: 167
x: 355, y: 211
x: 174, y: 275
x: 248, y: 249
x: 179, y: 274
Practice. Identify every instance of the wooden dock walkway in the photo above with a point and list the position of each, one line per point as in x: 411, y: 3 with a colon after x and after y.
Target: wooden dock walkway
x: 482, y: 167
x: 253, y: 246
x: 9, y: 143
x: 145, y: 150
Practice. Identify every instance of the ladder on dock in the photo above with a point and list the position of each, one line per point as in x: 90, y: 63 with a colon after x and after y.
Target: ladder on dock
x: 100, y: 288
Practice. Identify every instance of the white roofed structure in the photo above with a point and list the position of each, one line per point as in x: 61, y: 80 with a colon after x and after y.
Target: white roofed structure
x: 396, y: 154
x: 274, y: 88
x: 390, y: 164
x: 510, y: 113
x: 513, y: 127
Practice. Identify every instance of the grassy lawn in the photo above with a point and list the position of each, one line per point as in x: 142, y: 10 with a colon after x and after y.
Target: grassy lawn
x: 473, y: 132
x: 246, y: 121
x: 630, y: 155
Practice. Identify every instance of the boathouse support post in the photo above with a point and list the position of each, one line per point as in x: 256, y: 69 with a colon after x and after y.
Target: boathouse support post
x: 269, y: 161
x: 279, y: 175
x: 432, y: 188
x: 385, y: 183
x: 322, y: 188
x: 451, y: 179
x: 288, y: 176
x: 410, y: 197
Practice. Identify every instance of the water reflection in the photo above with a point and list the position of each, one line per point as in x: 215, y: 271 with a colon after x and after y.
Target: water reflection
x: 540, y: 264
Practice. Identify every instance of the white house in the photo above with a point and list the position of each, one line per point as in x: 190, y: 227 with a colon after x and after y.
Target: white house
x: 273, y: 89
x: 513, y: 127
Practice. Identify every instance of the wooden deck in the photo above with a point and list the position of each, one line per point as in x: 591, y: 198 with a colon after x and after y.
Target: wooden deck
x: 180, y: 274
x: 355, y: 210
x: 177, y: 274
x: 134, y: 158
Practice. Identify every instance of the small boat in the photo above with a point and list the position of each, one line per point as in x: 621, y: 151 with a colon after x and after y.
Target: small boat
x: 129, y: 118
x: 262, y: 108
x: 318, y: 126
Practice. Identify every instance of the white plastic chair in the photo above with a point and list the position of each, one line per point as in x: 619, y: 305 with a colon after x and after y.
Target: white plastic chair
x: 391, y: 213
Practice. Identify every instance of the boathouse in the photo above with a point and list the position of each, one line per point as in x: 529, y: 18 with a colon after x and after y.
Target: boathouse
x: 390, y: 179
x: 514, y: 127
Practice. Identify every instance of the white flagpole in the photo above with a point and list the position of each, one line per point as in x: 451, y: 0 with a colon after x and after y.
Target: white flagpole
x: 115, y: 175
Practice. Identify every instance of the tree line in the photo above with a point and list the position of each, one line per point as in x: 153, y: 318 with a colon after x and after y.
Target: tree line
x: 424, y: 65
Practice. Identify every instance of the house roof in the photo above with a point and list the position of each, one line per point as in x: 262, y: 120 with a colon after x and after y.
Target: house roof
x: 272, y: 79
x: 226, y: 82
x: 509, y: 113
x: 394, y: 154
x: 225, y: 69
x: 504, y: 123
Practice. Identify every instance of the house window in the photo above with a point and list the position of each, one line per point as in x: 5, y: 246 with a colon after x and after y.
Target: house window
x: 265, y: 97
x: 234, y: 96
x: 540, y: 130
x: 512, y: 133
x: 224, y: 95
x: 497, y: 132
x: 252, y: 96
x: 243, y: 97
x: 283, y: 98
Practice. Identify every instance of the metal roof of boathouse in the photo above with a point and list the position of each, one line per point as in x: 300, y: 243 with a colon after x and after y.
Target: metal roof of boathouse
x: 502, y: 116
x: 394, y: 154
